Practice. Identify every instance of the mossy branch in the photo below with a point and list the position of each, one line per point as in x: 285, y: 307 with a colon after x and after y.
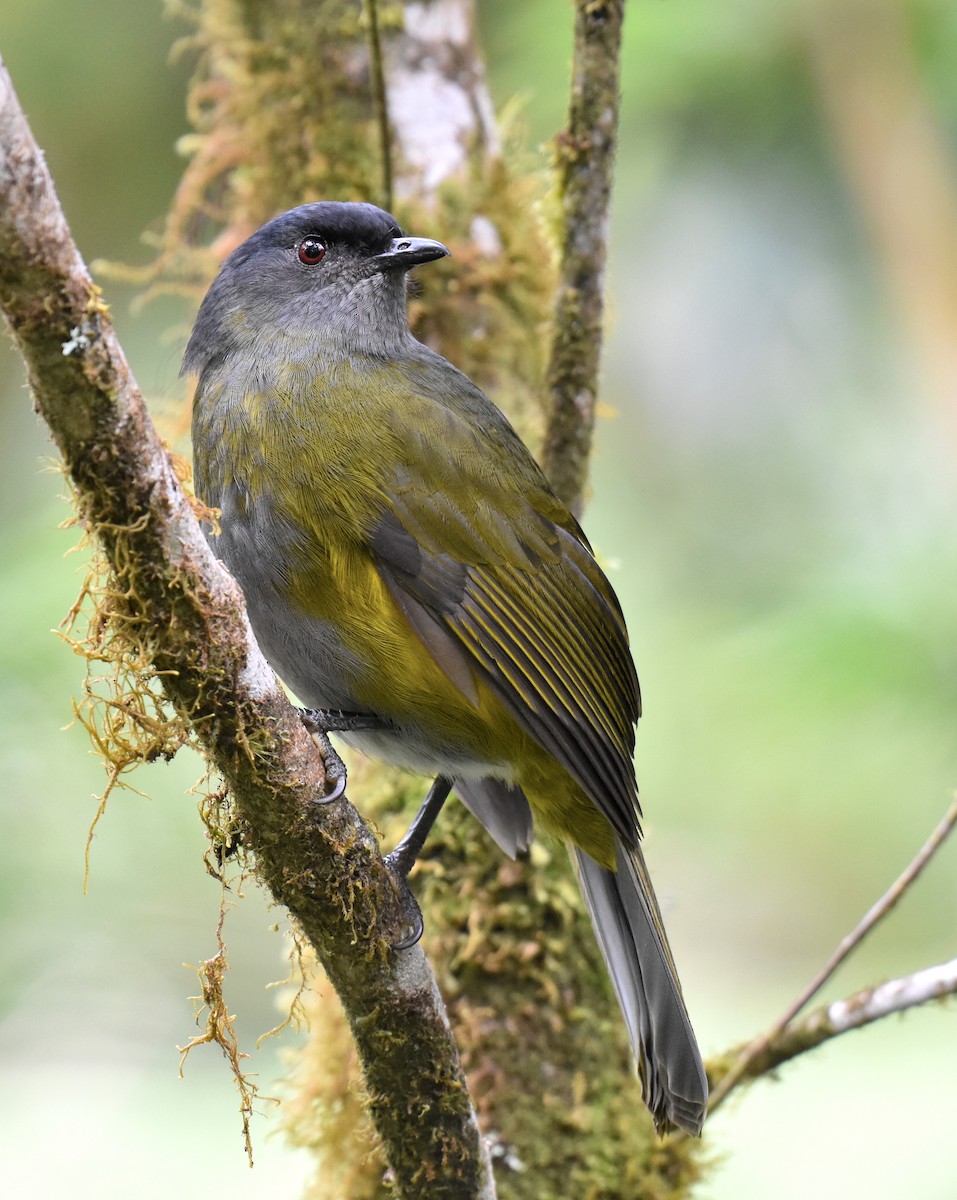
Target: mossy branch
x: 585, y: 153
x: 322, y: 862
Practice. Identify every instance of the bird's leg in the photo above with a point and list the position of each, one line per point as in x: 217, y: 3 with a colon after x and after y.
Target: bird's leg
x: 402, y: 859
x: 320, y: 722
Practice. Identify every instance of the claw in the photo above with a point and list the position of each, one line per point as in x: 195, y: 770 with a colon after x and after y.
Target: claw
x: 338, y: 787
x: 401, y: 860
x: 334, y: 766
x: 411, y: 913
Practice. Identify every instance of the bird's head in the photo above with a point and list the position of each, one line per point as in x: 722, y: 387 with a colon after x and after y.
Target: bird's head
x: 326, y: 278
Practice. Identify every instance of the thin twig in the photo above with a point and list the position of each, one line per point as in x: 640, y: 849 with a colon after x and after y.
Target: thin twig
x: 381, y: 100
x: 585, y: 155
x: 877, y: 912
x: 760, y: 1048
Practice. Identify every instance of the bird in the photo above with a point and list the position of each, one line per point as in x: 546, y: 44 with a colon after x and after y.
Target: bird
x: 414, y: 580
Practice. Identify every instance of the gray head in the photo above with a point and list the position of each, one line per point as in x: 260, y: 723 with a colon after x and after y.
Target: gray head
x: 327, y: 277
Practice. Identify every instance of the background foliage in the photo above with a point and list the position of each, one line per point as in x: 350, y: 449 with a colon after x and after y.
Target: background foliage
x: 775, y: 492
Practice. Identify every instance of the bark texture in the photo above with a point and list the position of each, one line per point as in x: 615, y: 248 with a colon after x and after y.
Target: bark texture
x: 585, y: 158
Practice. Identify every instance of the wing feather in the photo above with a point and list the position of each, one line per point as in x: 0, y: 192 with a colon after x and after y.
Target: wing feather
x: 558, y: 700
x: 536, y: 618
x: 498, y: 580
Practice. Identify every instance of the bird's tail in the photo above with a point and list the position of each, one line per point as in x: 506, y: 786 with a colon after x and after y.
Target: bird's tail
x: 631, y: 934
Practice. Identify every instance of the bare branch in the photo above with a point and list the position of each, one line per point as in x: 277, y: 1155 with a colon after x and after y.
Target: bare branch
x: 827, y: 1022
x: 321, y: 861
x: 585, y: 153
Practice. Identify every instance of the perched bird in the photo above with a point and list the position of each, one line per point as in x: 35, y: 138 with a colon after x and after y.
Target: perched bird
x: 409, y: 572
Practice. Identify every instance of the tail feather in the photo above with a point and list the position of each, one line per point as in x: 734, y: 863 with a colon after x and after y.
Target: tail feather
x: 631, y: 935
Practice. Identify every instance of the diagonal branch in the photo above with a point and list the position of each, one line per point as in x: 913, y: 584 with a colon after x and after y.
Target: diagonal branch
x: 874, y: 915
x: 322, y: 862
x: 585, y: 152
x: 787, y: 1038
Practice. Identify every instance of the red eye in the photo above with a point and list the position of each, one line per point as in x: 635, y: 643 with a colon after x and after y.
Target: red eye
x: 311, y: 251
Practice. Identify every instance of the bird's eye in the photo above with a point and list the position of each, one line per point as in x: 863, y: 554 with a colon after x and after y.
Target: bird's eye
x: 311, y: 250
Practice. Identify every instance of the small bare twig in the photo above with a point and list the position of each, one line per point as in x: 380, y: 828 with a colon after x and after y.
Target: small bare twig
x: 784, y: 1040
x: 377, y: 73
x: 876, y: 913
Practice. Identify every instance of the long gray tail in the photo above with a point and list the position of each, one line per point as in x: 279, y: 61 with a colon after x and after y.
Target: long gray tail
x: 631, y: 934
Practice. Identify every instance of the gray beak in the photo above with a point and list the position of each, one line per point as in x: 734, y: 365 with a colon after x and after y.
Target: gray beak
x: 406, y: 252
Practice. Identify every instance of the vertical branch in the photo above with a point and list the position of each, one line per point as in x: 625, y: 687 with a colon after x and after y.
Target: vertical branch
x: 381, y: 100
x: 442, y: 117
x: 585, y: 158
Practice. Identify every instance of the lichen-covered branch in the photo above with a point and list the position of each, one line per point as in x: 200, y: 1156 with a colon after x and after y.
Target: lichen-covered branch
x: 585, y: 153
x: 187, y: 615
x: 442, y: 116
x: 853, y: 1012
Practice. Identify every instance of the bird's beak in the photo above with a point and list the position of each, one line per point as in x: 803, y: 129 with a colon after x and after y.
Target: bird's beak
x: 406, y: 252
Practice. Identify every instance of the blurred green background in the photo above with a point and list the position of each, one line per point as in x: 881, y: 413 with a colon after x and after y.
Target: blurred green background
x: 775, y: 492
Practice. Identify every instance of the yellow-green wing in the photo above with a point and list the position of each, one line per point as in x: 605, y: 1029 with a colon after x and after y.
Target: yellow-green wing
x: 498, y: 570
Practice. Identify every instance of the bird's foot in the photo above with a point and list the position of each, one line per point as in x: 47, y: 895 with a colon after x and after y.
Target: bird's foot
x: 411, y: 924
x: 335, y: 720
x: 335, y: 768
x: 321, y: 722
x: 401, y: 860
